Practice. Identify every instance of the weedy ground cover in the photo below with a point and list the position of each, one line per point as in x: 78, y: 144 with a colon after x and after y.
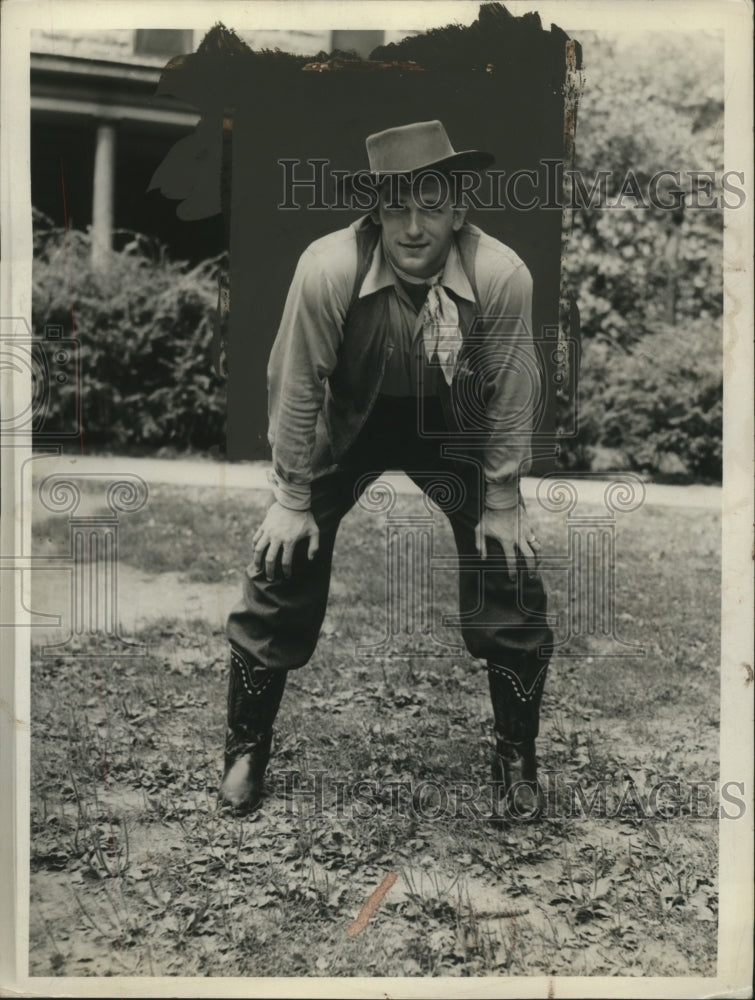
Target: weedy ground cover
x: 135, y: 872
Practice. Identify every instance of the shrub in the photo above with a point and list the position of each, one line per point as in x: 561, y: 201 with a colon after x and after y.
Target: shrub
x: 655, y: 409
x: 145, y: 328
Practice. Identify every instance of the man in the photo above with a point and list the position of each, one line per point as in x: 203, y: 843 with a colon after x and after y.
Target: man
x: 389, y: 327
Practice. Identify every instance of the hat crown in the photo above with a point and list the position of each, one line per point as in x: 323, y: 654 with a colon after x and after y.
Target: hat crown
x: 408, y: 147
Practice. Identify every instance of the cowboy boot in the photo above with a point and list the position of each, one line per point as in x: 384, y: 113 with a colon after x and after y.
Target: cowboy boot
x: 254, y: 697
x: 516, y: 696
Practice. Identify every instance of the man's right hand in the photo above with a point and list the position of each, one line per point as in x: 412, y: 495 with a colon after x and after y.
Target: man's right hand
x: 279, y: 532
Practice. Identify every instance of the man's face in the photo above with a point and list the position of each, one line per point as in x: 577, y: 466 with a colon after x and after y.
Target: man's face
x: 418, y: 223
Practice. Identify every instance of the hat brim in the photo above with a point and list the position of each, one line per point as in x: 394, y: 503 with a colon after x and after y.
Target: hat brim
x: 468, y: 159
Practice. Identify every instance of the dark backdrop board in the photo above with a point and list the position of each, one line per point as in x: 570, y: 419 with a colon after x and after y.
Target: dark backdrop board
x: 497, y: 85
x: 327, y: 116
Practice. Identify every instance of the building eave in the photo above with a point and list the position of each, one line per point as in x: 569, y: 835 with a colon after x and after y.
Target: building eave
x: 85, y: 88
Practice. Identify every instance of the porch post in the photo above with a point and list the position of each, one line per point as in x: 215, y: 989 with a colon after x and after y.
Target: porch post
x: 102, y: 200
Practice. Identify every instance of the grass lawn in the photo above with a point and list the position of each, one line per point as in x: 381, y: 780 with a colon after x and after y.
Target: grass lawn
x: 134, y: 871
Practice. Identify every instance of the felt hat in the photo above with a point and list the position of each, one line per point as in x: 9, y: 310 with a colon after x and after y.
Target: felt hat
x: 410, y: 149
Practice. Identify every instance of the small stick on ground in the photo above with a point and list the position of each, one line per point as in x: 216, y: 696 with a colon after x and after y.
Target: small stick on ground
x: 371, y: 905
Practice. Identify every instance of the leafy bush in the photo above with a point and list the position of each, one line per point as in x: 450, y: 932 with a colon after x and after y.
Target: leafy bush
x: 650, y: 105
x: 145, y: 328
x: 655, y: 409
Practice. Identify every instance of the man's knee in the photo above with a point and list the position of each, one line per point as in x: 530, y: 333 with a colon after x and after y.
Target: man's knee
x: 513, y: 646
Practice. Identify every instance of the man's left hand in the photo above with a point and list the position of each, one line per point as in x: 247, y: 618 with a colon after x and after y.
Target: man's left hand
x: 510, y: 529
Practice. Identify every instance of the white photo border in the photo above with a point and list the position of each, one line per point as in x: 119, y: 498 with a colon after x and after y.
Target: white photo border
x: 735, y: 923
